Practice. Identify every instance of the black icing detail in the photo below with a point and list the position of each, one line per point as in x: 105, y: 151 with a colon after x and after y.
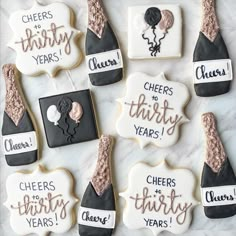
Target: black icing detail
x: 225, y: 177
x: 207, y: 50
x: 104, y: 202
x: 25, y: 125
x: 95, y: 45
x: 70, y: 132
x: 152, y: 16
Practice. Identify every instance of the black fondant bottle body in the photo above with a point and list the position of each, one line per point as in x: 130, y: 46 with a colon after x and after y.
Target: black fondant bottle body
x: 212, y: 66
x: 18, y: 132
x: 223, y: 178
x: 104, y: 59
x: 105, y: 202
x: 9, y: 128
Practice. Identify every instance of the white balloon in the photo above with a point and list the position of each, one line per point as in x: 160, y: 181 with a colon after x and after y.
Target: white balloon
x: 140, y: 24
x: 53, y: 114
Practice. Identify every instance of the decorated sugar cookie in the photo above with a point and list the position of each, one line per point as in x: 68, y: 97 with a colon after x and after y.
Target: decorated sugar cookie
x: 40, y: 202
x: 218, y: 184
x: 154, y: 31
x: 212, y: 67
x: 103, y: 54
x: 97, y: 214
x: 44, y: 39
x: 19, y: 135
x: 159, y: 198
x: 69, y: 118
x: 152, y: 110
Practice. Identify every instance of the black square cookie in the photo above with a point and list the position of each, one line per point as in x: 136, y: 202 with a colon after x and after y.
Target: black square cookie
x: 69, y: 118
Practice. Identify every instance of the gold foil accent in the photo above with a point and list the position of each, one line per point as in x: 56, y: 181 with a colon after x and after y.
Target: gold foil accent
x: 215, y: 155
x: 102, y: 175
x: 14, y: 105
x: 96, y: 17
x: 210, y: 26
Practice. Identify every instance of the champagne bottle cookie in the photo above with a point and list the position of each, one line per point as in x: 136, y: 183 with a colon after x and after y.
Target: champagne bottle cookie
x: 98, y: 201
x: 103, y: 55
x: 218, y: 184
x: 20, y: 144
x: 212, y: 71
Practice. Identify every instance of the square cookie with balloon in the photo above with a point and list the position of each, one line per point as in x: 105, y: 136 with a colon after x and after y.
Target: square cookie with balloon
x: 69, y: 118
x: 155, y: 31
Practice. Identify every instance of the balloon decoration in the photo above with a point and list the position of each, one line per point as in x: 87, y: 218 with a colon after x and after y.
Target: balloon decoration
x: 153, y: 17
x: 167, y: 20
x: 76, y: 112
x: 53, y: 114
x: 66, y: 115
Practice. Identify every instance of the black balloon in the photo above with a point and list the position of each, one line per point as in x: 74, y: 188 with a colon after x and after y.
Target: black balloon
x: 64, y: 105
x: 152, y: 16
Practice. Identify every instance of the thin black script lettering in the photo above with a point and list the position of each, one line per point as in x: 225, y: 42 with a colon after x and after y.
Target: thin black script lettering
x: 95, y: 65
x: 212, y: 197
x: 11, y: 146
x: 201, y: 73
x: 86, y: 216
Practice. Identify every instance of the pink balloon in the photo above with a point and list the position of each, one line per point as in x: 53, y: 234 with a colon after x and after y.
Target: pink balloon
x: 76, y: 112
x: 167, y: 20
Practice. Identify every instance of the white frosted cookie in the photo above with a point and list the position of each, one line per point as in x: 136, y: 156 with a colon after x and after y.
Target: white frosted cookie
x: 154, y: 31
x: 152, y: 110
x: 41, y: 201
x: 44, y: 39
x: 159, y: 199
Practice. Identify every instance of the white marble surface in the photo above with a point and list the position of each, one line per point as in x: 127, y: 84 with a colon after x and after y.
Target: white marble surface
x: 80, y: 159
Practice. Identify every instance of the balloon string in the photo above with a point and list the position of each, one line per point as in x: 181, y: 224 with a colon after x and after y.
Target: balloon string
x: 148, y: 41
x: 70, y: 79
x: 161, y: 40
x: 155, y: 36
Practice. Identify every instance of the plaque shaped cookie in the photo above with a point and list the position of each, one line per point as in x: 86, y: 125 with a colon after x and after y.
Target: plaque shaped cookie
x: 69, y: 118
x: 39, y: 203
x: 158, y: 198
x: 44, y: 39
x: 152, y: 110
x: 154, y: 31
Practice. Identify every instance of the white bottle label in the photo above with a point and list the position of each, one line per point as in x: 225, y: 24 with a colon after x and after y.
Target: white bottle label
x: 105, y: 61
x: 19, y: 143
x: 212, y: 71
x: 218, y: 196
x: 97, y: 218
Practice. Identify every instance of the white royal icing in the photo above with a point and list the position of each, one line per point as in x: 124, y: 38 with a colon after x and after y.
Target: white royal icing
x: 152, y: 110
x: 19, y: 143
x: 39, y: 203
x: 44, y: 39
x: 218, y: 196
x: 158, y: 199
x: 104, y: 61
x: 212, y: 71
x: 171, y: 46
x: 97, y: 218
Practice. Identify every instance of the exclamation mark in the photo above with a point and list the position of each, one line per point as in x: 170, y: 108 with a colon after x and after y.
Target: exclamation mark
x: 162, y: 132
x: 235, y: 192
x: 56, y: 218
x: 30, y: 141
x: 60, y: 53
x: 118, y: 56
x: 170, y: 221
